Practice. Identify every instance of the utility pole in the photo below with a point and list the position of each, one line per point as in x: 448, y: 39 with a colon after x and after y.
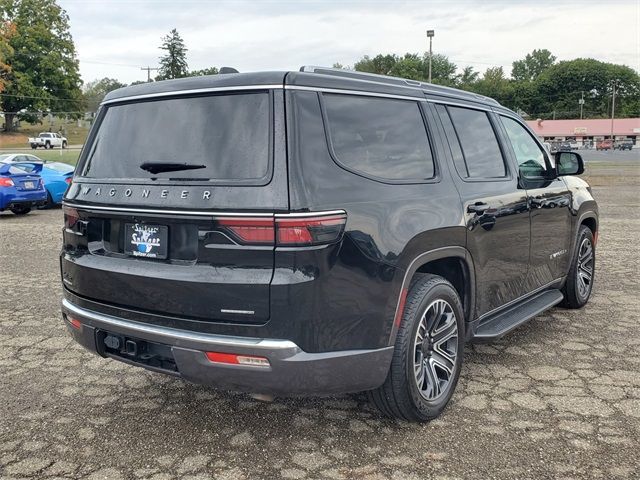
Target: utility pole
x: 613, y: 106
x: 581, y: 102
x: 148, y: 69
x: 430, y: 34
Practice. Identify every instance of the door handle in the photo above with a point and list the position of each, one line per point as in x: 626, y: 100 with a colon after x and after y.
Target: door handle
x: 478, y: 208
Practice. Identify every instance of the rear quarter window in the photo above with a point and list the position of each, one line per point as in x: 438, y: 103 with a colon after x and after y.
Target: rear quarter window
x: 385, y: 139
x: 228, y: 135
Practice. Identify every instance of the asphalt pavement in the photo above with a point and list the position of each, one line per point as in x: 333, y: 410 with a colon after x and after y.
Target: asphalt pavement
x: 558, y: 398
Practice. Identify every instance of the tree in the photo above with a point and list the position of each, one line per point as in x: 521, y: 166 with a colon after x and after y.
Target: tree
x: 380, y: 64
x: 467, y: 79
x: 95, y: 91
x: 174, y: 63
x: 44, y: 69
x: 494, y: 84
x: 532, y: 65
x: 7, y: 30
x: 203, y: 72
x: 411, y: 65
x: 560, y: 87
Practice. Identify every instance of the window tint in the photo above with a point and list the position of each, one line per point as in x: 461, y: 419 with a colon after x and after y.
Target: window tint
x: 478, y: 142
x: 227, y: 134
x: 531, y: 159
x: 380, y: 137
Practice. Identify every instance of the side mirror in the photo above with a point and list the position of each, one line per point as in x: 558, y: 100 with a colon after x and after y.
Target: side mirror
x: 569, y: 163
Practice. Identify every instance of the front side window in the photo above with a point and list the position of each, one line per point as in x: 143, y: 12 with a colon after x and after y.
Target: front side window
x: 531, y: 158
x: 222, y: 138
x: 479, y: 144
x: 379, y: 137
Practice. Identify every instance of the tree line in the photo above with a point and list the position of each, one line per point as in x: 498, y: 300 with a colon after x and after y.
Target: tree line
x: 39, y: 73
x: 539, y: 86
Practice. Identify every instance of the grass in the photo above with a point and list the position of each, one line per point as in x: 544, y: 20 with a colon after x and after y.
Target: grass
x: 76, y: 135
x: 69, y: 156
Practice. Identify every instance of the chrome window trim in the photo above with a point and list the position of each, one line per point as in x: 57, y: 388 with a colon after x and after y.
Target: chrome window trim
x: 472, y: 106
x: 193, y: 91
x: 364, y: 93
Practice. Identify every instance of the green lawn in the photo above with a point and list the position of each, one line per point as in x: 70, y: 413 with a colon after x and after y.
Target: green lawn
x: 69, y: 156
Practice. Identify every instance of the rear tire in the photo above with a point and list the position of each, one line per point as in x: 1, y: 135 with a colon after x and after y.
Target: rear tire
x: 47, y: 145
x: 428, y: 352
x: 579, y: 284
x: 20, y: 210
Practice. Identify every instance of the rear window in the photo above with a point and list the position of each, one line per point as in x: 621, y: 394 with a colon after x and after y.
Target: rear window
x: 379, y: 137
x: 226, y: 135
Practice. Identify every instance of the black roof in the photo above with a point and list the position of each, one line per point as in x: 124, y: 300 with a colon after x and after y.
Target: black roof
x: 318, y: 77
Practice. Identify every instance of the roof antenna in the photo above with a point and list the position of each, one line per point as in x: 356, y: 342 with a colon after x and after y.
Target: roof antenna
x: 224, y: 70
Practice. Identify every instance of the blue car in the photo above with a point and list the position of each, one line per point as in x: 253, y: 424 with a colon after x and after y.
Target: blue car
x: 56, y: 175
x: 20, y: 190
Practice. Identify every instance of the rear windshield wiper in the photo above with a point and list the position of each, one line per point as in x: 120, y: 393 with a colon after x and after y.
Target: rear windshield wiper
x: 158, y: 167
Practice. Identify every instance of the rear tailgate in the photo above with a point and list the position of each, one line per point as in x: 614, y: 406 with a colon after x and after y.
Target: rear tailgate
x: 171, y: 242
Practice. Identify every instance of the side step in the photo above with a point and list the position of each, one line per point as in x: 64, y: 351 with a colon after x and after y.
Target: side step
x: 504, y: 321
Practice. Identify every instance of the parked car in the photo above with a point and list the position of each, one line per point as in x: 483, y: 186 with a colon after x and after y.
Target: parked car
x: 604, y: 145
x: 564, y: 147
x: 20, y: 191
x: 56, y: 175
x: 340, y: 232
x: 48, y: 140
x: 623, y: 145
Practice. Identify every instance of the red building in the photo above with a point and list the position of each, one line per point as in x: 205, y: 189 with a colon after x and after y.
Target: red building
x: 585, y: 131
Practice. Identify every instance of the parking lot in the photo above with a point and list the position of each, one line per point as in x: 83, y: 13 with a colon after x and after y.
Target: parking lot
x: 558, y: 398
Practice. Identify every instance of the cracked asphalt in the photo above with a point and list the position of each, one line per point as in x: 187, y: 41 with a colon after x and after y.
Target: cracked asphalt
x: 558, y: 398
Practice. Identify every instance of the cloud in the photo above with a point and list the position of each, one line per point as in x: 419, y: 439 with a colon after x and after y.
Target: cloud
x: 283, y: 35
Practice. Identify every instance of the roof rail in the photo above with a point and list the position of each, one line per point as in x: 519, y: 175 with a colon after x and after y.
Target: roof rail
x: 398, y: 81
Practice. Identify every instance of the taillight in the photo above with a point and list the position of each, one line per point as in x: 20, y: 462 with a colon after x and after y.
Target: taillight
x: 6, y: 182
x: 250, y: 230
x: 285, y: 230
x: 71, y: 217
x: 68, y: 180
x: 309, y: 230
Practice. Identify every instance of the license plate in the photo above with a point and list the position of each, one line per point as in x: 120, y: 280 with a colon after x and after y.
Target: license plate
x: 29, y: 185
x: 144, y: 240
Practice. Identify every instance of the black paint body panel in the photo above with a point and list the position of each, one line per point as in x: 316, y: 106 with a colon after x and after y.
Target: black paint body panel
x: 341, y: 296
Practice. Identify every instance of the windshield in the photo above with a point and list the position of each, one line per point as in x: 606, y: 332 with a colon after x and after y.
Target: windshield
x: 226, y: 136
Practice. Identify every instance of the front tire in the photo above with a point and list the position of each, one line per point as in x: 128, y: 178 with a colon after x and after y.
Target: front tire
x: 64, y: 144
x: 428, y: 351
x: 579, y: 284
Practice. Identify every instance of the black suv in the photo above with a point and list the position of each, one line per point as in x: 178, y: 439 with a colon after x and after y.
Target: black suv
x: 317, y: 232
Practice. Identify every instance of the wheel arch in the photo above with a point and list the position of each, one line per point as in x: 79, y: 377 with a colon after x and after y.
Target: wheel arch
x: 454, y: 263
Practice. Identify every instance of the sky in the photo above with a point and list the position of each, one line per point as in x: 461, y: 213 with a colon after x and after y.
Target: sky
x: 115, y: 38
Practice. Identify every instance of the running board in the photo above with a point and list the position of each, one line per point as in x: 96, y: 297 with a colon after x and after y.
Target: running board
x: 503, y: 322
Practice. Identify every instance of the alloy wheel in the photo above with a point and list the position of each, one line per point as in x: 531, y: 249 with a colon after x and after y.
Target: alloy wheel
x: 584, y: 272
x: 435, y: 349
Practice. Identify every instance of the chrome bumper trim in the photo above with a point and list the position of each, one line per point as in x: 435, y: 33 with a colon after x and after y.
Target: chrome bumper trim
x: 105, y: 321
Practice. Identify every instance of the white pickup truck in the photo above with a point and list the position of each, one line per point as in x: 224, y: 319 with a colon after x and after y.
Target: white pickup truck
x: 48, y: 140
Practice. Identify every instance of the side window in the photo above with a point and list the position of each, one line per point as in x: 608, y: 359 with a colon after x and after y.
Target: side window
x: 379, y: 137
x: 478, y: 143
x: 531, y: 158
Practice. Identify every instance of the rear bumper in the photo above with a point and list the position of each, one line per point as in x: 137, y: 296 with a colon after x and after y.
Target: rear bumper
x: 291, y: 371
x: 18, y: 198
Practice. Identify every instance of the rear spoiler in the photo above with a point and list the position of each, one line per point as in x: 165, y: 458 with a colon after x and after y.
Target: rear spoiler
x: 33, y: 168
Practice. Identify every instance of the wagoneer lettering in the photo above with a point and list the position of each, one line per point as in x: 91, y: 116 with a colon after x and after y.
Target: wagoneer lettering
x: 317, y: 232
